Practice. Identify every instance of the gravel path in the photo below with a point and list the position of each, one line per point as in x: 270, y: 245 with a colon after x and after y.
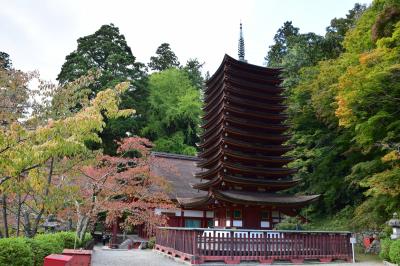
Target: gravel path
x: 107, y: 257
x: 137, y: 257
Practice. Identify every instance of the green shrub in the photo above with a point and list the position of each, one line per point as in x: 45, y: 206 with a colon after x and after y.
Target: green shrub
x: 15, y: 252
x: 68, y: 239
x: 32, y: 251
x: 44, y: 245
x: 86, y: 239
x: 151, y: 243
x: 385, y: 248
x: 289, y: 223
x: 394, y: 252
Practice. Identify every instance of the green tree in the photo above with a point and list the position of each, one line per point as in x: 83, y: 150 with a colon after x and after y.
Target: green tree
x: 14, y: 95
x: 304, y: 50
x: 343, y: 110
x: 33, y: 155
x: 107, y: 54
x: 175, y: 112
x: 193, y: 68
x: 5, y: 61
x: 165, y: 58
x: 282, y: 40
x: 338, y: 28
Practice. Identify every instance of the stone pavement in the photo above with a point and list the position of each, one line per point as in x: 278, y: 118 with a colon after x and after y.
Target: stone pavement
x: 115, y: 257
x: 137, y: 257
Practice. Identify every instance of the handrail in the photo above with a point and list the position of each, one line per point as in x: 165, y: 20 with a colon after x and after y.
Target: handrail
x: 252, y: 230
x: 199, y: 245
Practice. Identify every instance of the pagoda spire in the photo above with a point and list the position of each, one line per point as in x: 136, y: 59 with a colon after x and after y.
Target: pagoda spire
x: 241, y: 45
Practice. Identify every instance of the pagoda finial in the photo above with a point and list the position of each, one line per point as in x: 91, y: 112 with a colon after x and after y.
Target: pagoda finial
x: 241, y: 45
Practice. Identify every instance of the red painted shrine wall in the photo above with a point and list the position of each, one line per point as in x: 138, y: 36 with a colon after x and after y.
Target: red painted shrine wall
x: 251, y: 217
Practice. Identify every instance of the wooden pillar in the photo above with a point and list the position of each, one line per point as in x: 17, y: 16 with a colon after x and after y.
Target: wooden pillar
x: 114, y: 233
x: 270, y: 218
x: 182, y: 221
x: 231, y: 210
x: 204, y: 220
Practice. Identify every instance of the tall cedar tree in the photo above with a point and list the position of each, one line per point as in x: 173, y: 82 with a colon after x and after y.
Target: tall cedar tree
x: 107, y: 52
x: 165, y: 58
x: 193, y: 69
x: 278, y: 50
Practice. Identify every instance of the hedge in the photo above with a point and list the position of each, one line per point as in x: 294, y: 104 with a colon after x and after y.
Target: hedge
x: 394, y: 252
x: 32, y: 251
x: 68, y: 239
x: 385, y: 248
x: 16, y: 252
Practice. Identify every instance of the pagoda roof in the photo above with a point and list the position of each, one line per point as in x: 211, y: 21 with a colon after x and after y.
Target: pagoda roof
x: 256, y: 147
x: 215, y: 123
x: 217, y: 111
x: 245, y: 88
x: 249, y: 198
x: 263, y: 198
x: 271, y: 172
x: 255, y: 182
x: 252, y: 103
x: 244, y: 145
x: 197, y: 202
x: 279, y: 138
x: 253, y: 157
x: 214, y: 136
x: 229, y: 61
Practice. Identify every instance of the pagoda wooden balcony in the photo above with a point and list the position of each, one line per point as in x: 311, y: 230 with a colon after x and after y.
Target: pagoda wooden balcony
x: 232, y: 246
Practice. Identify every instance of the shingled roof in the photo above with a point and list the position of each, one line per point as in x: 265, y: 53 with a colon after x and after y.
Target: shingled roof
x: 179, y: 171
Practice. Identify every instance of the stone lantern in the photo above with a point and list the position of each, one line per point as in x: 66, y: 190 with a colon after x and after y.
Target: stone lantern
x: 395, y: 224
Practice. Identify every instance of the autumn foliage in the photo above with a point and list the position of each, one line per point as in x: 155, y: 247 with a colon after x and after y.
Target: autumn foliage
x: 125, y: 188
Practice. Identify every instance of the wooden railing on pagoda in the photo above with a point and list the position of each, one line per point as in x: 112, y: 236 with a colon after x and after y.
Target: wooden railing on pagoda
x: 199, y: 245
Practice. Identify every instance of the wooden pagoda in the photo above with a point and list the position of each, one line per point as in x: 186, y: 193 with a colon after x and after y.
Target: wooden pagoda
x: 242, y: 149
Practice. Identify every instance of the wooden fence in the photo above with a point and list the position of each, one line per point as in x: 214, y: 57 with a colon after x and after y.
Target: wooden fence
x: 199, y: 245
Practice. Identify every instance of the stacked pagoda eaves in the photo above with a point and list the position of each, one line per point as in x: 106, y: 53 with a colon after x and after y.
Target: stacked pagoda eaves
x: 244, y: 129
x: 242, y: 145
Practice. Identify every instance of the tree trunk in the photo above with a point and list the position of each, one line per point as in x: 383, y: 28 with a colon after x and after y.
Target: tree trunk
x: 5, y: 223
x: 18, y: 213
x: 84, y: 225
x: 27, y: 224
x: 81, y: 225
x: 46, y: 193
x: 69, y: 224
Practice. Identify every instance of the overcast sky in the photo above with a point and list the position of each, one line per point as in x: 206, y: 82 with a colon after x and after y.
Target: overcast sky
x: 39, y: 34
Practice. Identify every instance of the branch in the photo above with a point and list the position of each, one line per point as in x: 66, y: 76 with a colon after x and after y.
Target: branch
x: 5, y: 178
x: 10, y: 146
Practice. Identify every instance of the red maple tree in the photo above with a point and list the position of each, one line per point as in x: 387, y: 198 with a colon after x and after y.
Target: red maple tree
x: 125, y: 188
